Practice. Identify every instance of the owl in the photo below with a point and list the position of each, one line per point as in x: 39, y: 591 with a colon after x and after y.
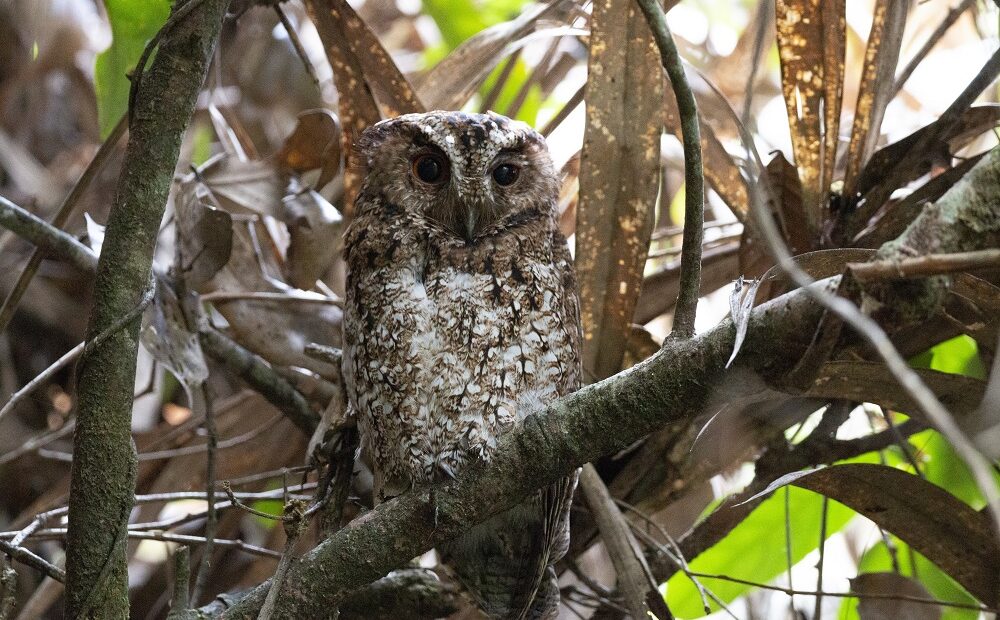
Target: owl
x: 461, y: 318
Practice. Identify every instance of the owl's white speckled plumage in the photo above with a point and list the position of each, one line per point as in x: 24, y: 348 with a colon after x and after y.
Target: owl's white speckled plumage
x: 461, y: 318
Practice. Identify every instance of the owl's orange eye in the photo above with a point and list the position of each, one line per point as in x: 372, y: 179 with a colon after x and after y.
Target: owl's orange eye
x: 430, y: 168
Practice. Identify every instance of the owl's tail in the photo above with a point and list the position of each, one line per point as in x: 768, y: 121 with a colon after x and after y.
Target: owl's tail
x: 507, y: 562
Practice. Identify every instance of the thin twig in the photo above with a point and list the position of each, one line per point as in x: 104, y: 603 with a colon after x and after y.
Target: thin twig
x: 32, y: 228
x: 923, y: 266
x: 674, y: 553
x: 221, y: 296
x: 297, y: 44
x: 59, y: 220
x: 694, y: 176
x: 928, y: 45
x: 295, y: 522
x: 822, y: 557
x: 79, y: 350
x: 238, y: 504
x: 211, y: 521
x: 42, y: 378
x: 891, y: 597
x: 28, y: 558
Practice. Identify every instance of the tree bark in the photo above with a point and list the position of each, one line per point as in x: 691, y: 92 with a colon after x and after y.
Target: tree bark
x: 104, y: 460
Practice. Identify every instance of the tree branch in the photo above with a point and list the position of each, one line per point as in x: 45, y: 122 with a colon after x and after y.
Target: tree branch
x: 674, y: 384
x: 694, y: 176
x: 104, y: 463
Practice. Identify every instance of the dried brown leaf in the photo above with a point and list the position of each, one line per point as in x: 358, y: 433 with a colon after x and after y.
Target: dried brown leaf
x: 619, y: 179
x: 362, y: 71
x: 786, y: 187
x: 171, y: 341
x: 811, y: 42
x: 277, y: 330
x: 875, y: 600
x: 315, y: 144
x: 315, y: 228
x: 204, y: 235
x: 871, y: 382
x: 877, y: 85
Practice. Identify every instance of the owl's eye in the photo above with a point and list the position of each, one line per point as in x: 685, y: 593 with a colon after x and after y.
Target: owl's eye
x: 429, y: 168
x: 505, y: 174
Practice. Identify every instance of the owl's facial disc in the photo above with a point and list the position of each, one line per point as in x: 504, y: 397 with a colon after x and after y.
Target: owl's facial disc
x: 470, y: 174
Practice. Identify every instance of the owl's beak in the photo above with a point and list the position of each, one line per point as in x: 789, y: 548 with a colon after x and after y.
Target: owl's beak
x: 471, y: 219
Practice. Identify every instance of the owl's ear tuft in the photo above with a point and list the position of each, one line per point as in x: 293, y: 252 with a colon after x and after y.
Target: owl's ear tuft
x: 367, y: 143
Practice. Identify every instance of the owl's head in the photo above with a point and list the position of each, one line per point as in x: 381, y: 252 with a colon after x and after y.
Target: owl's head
x: 468, y: 174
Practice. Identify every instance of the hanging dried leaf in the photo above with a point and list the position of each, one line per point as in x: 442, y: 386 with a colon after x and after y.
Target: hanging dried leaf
x: 811, y: 42
x: 945, y: 530
x: 171, y: 341
x: 451, y: 82
x: 619, y: 179
x: 276, y: 329
x: 740, y: 306
x: 876, y: 597
x: 204, y: 235
x: 243, y: 186
x: 877, y: 85
x: 315, y: 144
x: 786, y: 187
x: 315, y: 227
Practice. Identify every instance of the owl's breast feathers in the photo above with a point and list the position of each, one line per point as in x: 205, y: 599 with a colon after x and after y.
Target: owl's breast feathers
x: 449, y: 344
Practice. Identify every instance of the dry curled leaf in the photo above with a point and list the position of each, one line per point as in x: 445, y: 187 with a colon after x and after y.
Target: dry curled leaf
x: 204, y: 235
x: 171, y: 341
x: 313, y: 145
x: 315, y: 228
x: 875, y: 600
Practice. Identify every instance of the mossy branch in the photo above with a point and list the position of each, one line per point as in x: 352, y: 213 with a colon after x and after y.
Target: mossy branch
x: 104, y: 460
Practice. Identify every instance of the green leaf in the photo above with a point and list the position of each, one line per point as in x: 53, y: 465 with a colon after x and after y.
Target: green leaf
x: 133, y: 24
x: 958, y: 356
x: 269, y: 506
x: 756, y: 549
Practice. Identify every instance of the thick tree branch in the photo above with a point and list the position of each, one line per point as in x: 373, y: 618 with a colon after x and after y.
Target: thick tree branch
x: 602, y: 418
x: 104, y: 461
